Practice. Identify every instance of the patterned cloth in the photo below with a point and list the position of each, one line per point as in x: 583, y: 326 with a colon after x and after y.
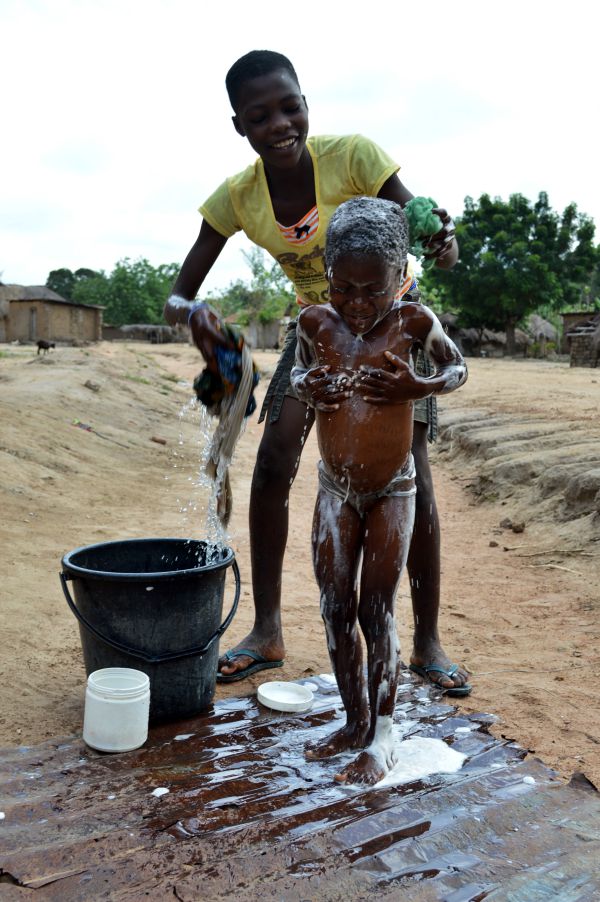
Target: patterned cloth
x: 229, y: 395
x: 211, y: 388
x: 302, y: 231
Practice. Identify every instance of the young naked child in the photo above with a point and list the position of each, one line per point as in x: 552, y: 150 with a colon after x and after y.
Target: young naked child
x: 354, y: 367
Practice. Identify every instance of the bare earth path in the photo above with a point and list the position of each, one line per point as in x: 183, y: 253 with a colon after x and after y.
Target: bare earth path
x: 521, y: 608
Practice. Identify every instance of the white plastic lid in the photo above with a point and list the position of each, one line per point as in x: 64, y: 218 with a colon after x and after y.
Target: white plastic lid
x: 283, y: 696
x: 118, y: 682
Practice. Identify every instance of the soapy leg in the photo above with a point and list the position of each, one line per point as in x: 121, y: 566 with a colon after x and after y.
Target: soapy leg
x: 388, y: 529
x: 336, y: 543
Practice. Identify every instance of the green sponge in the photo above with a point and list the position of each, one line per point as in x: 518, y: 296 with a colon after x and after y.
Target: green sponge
x: 422, y: 222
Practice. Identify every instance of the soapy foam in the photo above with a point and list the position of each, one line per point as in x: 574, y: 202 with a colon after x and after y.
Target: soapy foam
x: 420, y: 757
x: 384, y: 747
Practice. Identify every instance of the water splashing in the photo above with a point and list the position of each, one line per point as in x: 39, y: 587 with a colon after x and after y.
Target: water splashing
x: 195, y: 491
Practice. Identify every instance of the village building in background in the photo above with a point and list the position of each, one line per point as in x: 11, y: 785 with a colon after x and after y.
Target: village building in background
x: 262, y: 336
x: 581, y: 338
x: 155, y: 334
x: 259, y: 336
x: 29, y: 313
x: 538, y: 341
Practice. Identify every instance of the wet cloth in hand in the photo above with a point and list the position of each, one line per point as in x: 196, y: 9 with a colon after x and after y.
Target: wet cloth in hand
x: 211, y: 387
x: 226, y: 389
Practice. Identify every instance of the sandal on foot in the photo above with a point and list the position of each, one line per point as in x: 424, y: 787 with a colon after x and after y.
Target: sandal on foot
x: 428, y: 669
x: 260, y: 663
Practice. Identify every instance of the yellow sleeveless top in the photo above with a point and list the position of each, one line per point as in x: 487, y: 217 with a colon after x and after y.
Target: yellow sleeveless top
x: 344, y: 166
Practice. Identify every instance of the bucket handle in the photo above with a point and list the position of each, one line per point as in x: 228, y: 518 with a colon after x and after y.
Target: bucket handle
x: 195, y: 651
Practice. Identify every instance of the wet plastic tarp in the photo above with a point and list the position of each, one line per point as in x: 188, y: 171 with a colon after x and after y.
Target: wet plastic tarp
x: 247, y: 817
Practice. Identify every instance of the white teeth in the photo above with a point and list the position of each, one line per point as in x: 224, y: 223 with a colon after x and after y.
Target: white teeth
x: 287, y: 143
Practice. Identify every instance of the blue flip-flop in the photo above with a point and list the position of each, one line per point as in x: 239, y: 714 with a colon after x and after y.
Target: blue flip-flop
x: 260, y: 663
x: 428, y: 669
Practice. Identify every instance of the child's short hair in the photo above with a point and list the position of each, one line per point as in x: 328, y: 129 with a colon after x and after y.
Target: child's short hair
x: 368, y: 227
x: 252, y: 65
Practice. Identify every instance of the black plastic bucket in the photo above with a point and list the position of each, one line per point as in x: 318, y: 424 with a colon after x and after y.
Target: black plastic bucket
x: 154, y: 605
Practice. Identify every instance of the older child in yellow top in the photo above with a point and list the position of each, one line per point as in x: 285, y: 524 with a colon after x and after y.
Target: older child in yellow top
x: 275, y: 202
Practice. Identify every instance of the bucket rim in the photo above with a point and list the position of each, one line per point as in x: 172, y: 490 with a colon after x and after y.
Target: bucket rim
x: 76, y: 569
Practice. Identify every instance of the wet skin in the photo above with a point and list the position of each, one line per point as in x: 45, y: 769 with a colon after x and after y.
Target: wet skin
x: 339, y: 538
x: 354, y: 368
x: 276, y: 466
x: 354, y: 363
x: 365, y: 769
x: 271, y: 111
x: 207, y: 333
x: 372, y: 377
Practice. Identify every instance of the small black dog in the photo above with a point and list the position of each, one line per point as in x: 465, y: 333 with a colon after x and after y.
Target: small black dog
x: 44, y: 345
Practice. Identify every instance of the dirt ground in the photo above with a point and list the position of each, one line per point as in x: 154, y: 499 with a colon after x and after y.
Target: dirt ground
x: 521, y: 601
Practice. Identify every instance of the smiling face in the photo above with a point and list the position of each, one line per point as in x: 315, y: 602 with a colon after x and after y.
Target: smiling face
x: 362, y: 290
x: 272, y: 114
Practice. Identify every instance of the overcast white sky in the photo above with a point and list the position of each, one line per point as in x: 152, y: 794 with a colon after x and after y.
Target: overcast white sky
x: 115, y: 124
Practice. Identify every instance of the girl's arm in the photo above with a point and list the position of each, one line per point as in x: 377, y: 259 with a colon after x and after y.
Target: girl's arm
x: 305, y: 360
x: 442, y: 247
x: 450, y: 367
x: 196, y: 267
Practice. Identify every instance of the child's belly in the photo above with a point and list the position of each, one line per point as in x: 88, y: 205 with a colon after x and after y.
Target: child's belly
x: 365, y: 444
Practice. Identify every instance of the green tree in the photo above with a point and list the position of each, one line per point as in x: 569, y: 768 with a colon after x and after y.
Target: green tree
x: 515, y: 257
x: 64, y: 282
x: 266, y: 298
x: 134, y: 292
x: 93, y: 290
x: 591, y: 296
x: 137, y: 291
x: 236, y: 299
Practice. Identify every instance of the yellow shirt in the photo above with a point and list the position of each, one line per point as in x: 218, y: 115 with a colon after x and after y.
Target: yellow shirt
x: 344, y: 166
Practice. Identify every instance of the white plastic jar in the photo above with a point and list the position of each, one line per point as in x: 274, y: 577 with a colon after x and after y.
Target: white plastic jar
x: 117, y: 706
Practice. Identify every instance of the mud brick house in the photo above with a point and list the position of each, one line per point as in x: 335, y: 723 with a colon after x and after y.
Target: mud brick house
x: 31, y: 312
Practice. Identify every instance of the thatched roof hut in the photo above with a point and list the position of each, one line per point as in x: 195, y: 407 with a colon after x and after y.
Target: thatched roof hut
x: 30, y: 293
x: 484, y: 342
x: 540, y: 329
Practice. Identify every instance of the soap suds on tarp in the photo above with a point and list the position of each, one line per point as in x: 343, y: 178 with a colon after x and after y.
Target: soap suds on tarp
x: 421, y: 757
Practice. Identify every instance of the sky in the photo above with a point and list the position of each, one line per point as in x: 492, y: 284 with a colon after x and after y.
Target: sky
x: 115, y: 124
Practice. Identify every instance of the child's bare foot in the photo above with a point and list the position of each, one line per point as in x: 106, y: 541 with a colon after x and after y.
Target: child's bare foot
x: 349, y: 737
x: 366, y: 768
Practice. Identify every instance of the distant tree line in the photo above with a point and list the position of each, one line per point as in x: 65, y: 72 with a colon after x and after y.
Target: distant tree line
x: 516, y: 258
x: 268, y: 296
x: 135, y: 291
